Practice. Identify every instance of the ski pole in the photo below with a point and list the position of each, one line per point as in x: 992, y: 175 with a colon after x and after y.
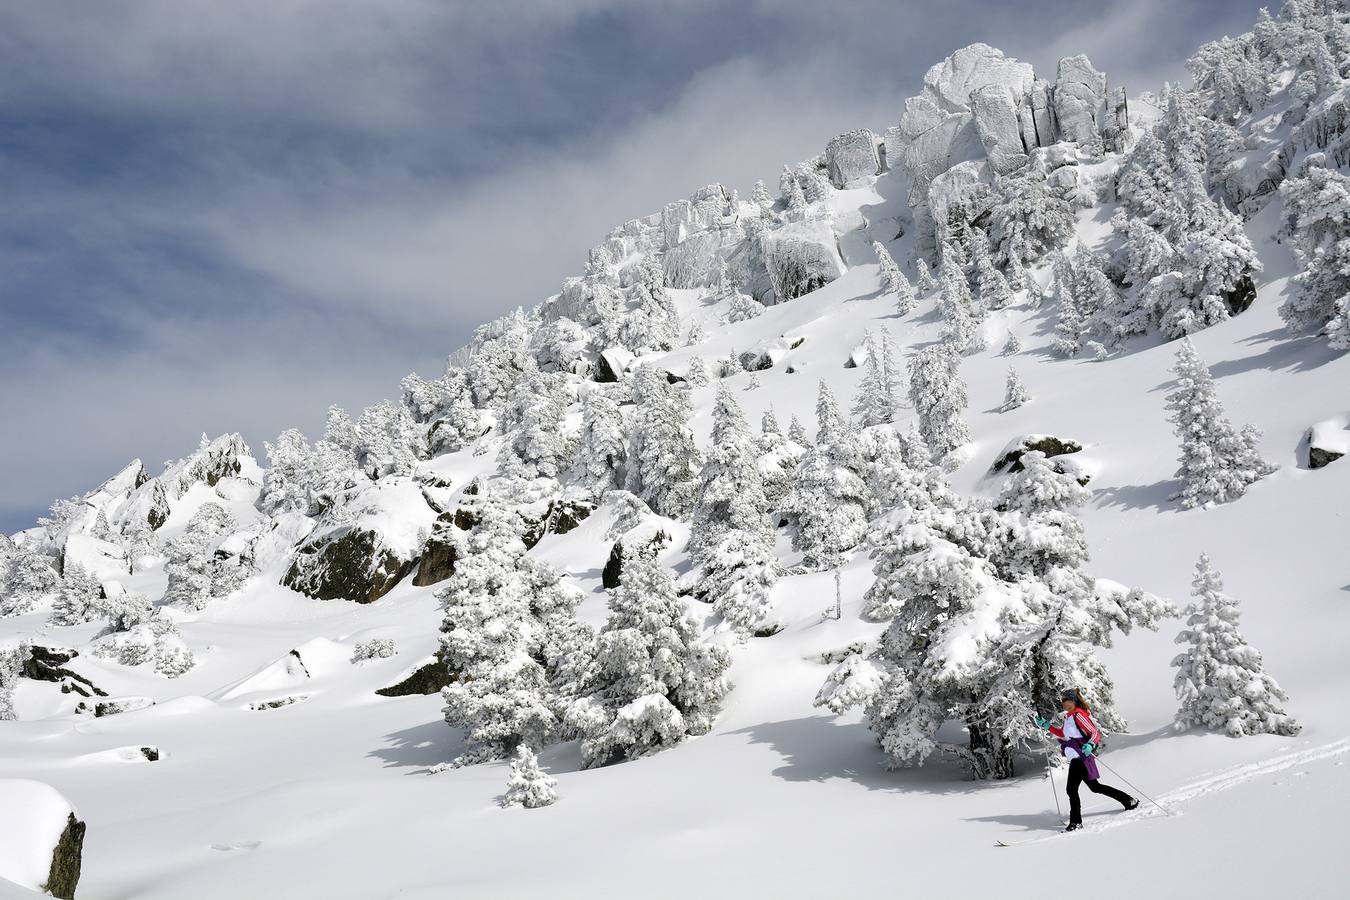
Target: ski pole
x: 1050, y: 773
x: 1165, y: 810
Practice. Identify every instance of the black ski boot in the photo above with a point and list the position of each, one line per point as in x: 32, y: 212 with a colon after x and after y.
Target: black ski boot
x: 1074, y: 826
x: 1132, y: 804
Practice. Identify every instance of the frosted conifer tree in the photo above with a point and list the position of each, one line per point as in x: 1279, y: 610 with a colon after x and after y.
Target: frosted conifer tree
x: 760, y: 195
x: 537, y: 446
x: 662, y: 459
x: 875, y: 401
x: 601, y: 450
x: 1069, y: 325
x: 1027, y: 220
x: 1012, y: 344
x: 1016, y: 393
x: 697, y: 376
x: 195, y: 575
x: 77, y: 602
x: 1317, y: 207
x: 741, y: 307
x: 925, y: 284
x: 938, y: 396
x: 1220, y: 681
x: 777, y: 462
x: 993, y: 289
x: 1217, y: 461
x: 31, y: 579
x: 528, y: 785
x: 656, y: 679
x: 456, y: 423
x: 391, y: 442
x: 732, y: 539
x: 697, y: 334
x: 893, y: 281
x: 829, y: 499
x: 791, y: 190
x: 731, y: 365
x: 960, y: 329
x: 796, y: 433
x: 510, y: 635
x: 11, y: 667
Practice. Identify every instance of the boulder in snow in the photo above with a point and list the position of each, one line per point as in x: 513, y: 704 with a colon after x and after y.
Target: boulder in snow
x: 612, y: 364
x: 802, y: 257
x: 852, y: 157
x: 363, y: 558
x: 1010, y: 458
x: 1327, y: 442
x: 41, y: 840
x: 999, y: 127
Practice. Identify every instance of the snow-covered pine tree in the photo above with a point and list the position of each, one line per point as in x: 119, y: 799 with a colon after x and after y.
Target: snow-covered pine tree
x: 11, y: 667
x: 797, y: 432
x: 601, y: 448
x: 697, y: 376
x: 663, y: 461
x: 1317, y: 210
x: 829, y: 499
x: 656, y: 679
x: 1027, y: 220
x: 537, y: 446
x: 509, y: 636
x: 1069, y: 325
x: 1015, y: 394
x: 815, y: 185
x: 500, y: 355
x: 893, y: 281
x: 31, y: 578
x: 960, y: 325
x: 938, y: 396
x: 778, y: 457
x: 286, y: 484
x: 1012, y: 345
x: 456, y: 423
x: 760, y: 196
x: 195, y: 575
x: 991, y: 286
x: 1220, y: 681
x: 696, y: 335
x: 791, y: 190
x: 528, y: 785
x: 78, y: 599
x: 391, y: 442
x: 1217, y: 461
x: 925, y: 283
x: 874, y: 404
x: 741, y: 307
x: 732, y: 538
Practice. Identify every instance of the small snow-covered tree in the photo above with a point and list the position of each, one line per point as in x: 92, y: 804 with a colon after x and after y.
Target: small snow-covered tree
x: 77, y: 602
x: 893, y: 281
x: 925, y: 283
x: 1027, y: 220
x: 391, y: 442
x: 790, y: 189
x: 741, y: 307
x: 829, y: 499
x: 938, y: 396
x: 697, y: 376
x: 1016, y: 393
x: 656, y: 679
x: 760, y: 195
x: 797, y: 432
x: 874, y: 403
x: 1217, y: 461
x: 602, y: 449
x: 11, y: 667
x: 196, y: 574
x: 528, y: 785
x: 992, y: 287
x: 1012, y: 344
x: 778, y: 456
x: 960, y: 325
x: 31, y: 578
x: 456, y: 423
x: 1220, y: 681
x: 537, y: 446
x: 662, y: 458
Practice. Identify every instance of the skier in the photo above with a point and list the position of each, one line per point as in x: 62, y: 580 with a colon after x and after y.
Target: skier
x: 1079, y: 739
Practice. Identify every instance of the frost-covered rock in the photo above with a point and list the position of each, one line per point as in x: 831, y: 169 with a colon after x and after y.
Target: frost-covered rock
x: 41, y: 839
x: 1328, y: 441
x: 802, y: 257
x: 613, y: 363
x: 362, y: 558
x: 852, y: 157
x: 999, y: 126
x: 1080, y: 102
x: 1010, y: 457
x: 694, y: 262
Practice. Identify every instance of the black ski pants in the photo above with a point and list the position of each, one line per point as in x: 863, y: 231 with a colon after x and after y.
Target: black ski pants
x: 1077, y: 776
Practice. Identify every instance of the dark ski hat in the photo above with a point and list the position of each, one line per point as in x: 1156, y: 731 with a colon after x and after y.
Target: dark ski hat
x: 1069, y: 694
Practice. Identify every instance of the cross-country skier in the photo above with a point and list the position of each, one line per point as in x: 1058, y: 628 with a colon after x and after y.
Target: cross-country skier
x: 1078, y: 741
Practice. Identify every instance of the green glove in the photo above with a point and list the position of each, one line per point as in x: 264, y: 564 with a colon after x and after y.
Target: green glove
x: 1043, y: 723
x: 1088, y: 748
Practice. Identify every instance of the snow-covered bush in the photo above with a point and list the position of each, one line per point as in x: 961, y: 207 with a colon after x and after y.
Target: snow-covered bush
x: 528, y: 785
x: 375, y: 648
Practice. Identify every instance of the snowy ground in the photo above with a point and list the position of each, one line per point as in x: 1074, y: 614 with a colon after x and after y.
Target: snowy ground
x: 330, y: 797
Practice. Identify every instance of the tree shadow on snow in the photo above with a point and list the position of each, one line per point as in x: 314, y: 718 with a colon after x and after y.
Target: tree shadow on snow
x: 1297, y: 354
x: 1139, y: 496
x: 421, y: 746
x: 818, y: 749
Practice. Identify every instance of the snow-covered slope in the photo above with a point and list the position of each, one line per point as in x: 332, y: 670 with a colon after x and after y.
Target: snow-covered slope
x: 281, y: 772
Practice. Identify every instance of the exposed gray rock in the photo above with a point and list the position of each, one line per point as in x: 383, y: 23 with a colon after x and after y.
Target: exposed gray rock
x: 1011, y: 457
x: 852, y: 157
x: 999, y: 127
x: 801, y: 257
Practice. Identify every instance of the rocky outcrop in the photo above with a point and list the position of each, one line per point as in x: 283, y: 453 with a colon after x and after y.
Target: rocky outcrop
x: 801, y: 257
x: 612, y: 364
x: 1080, y: 102
x: 852, y: 157
x: 438, y: 557
x: 999, y: 126
x: 1011, y: 457
x: 363, y: 558
x: 49, y: 664
x: 44, y: 838
x: 121, y: 705
x: 425, y: 679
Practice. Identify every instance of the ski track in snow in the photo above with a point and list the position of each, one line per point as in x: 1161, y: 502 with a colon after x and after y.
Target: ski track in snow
x: 1219, y: 781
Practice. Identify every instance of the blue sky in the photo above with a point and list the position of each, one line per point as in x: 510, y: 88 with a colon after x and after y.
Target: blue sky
x: 226, y: 216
